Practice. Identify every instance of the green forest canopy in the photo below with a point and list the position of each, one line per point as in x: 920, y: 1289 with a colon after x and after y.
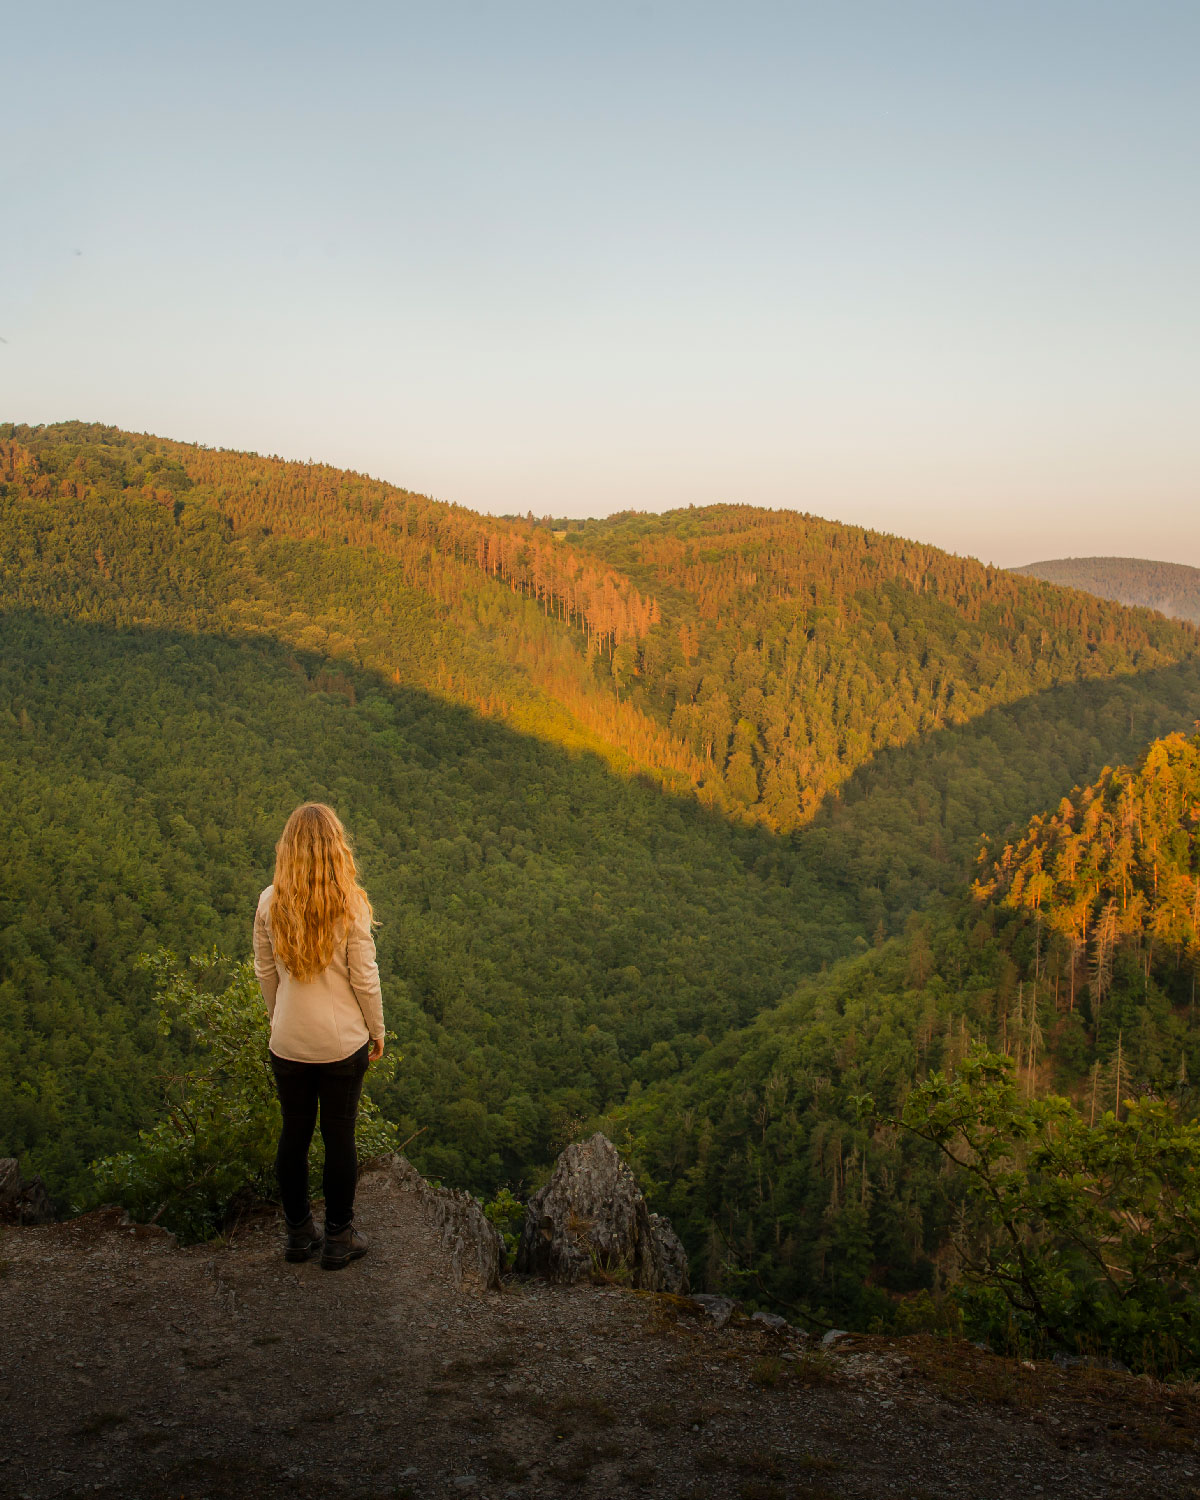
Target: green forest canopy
x: 1075, y: 956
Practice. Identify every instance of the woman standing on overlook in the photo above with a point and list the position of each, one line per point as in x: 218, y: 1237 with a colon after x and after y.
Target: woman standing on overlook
x: 315, y: 962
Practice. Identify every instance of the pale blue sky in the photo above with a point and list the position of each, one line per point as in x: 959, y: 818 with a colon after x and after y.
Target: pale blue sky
x: 930, y: 267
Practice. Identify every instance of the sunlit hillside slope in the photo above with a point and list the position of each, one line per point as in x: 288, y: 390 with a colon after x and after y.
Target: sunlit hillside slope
x: 758, y: 657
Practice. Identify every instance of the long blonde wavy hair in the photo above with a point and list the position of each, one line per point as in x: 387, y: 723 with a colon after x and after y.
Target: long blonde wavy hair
x: 317, y: 894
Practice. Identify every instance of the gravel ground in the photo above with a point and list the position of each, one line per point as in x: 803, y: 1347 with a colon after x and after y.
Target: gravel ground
x: 132, y: 1368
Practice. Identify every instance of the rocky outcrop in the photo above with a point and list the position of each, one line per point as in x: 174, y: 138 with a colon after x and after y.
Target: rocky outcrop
x: 475, y: 1248
x: 591, y: 1217
x: 669, y: 1255
x: 22, y: 1202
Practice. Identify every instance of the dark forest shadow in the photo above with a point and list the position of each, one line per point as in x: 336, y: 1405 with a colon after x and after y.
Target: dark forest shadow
x: 904, y: 829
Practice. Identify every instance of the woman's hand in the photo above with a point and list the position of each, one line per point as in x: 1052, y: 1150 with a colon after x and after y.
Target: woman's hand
x: 376, y: 1051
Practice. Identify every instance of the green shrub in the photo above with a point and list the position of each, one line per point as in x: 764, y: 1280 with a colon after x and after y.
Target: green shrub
x: 507, y: 1214
x: 1075, y: 1236
x: 213, y: 1150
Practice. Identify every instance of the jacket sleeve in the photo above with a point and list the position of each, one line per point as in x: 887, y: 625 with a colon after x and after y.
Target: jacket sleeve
x: 364, y: 976
x: 264, y: 960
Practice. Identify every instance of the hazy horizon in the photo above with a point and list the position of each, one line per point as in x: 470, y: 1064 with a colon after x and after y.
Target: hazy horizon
x: 923, y: 268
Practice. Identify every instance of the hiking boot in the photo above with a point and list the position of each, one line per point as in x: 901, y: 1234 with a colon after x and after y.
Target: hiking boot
x: 343, y: 1247
x: 303, y: 1242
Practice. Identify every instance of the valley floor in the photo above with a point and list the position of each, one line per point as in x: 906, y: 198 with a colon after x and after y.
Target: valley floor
x: 130, y: 1368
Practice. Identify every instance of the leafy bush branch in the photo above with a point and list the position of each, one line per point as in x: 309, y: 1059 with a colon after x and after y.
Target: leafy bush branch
x: 1076, y: 1236
x: 213, y: 1150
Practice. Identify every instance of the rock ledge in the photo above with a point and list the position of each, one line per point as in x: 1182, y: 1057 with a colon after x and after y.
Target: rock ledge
x: 474, y: 1245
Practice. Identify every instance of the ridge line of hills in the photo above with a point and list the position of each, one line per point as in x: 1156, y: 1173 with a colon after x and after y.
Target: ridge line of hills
x: 1173, y: 589
x: 643, y: 615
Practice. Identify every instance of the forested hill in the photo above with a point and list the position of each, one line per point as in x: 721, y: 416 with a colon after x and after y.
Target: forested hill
x: 1171, y: 588
x: 756, y: 658
x: 1076, y: 954
x: 1116, y: 868
x: 616, y: 786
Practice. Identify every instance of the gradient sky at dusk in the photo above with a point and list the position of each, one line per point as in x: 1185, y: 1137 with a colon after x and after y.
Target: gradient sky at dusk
x: 930, y: 267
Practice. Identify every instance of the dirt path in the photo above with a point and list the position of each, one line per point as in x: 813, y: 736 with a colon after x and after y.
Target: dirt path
x: 130, y: 1368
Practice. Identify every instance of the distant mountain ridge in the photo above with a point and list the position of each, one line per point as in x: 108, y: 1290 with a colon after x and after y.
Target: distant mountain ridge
x: 1171, y: 588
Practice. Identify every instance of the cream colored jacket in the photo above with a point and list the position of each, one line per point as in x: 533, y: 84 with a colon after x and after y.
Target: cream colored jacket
x: 327, y: 1018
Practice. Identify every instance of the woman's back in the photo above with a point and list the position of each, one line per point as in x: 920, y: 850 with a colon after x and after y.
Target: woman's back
x: 329, y: 1016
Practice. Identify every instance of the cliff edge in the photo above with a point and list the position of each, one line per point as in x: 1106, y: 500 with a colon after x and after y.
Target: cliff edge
x: 131, y: 1368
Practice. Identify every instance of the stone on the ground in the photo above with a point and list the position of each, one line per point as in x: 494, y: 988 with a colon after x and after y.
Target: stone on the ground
x: 719, y: 1309
x: 591, y: 1217
x: 476, y: 1249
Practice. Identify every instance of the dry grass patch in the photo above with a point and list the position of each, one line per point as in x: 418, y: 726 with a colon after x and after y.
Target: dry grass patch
x: 321, y: 1414
x: 761, y: 1489
x: 815, y: 1369
x: 1174, y: 1436
x: 576, y: 1464
x: 643, y: 1474
x: 203, y: 1359
x: 491, y: 1362
x: 961, y: 1373
x: 700, y: 1416
x: 679, y: 1317
x: 770, y: 1372
x: 681, y: 1307
x: 150, y: 1438
x: 758, y: 1461
x: 659, y: 1416
x: 815, y: 1463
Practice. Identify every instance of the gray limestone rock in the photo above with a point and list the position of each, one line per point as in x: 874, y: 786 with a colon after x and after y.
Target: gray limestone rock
x: 475, y: 1248
x: 719, y: 1309
x: 669, y: 1254
x: 591, y: 1216
x: 22, y: 1202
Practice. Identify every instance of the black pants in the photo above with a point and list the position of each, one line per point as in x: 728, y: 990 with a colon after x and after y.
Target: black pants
x: 336, y: 1087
